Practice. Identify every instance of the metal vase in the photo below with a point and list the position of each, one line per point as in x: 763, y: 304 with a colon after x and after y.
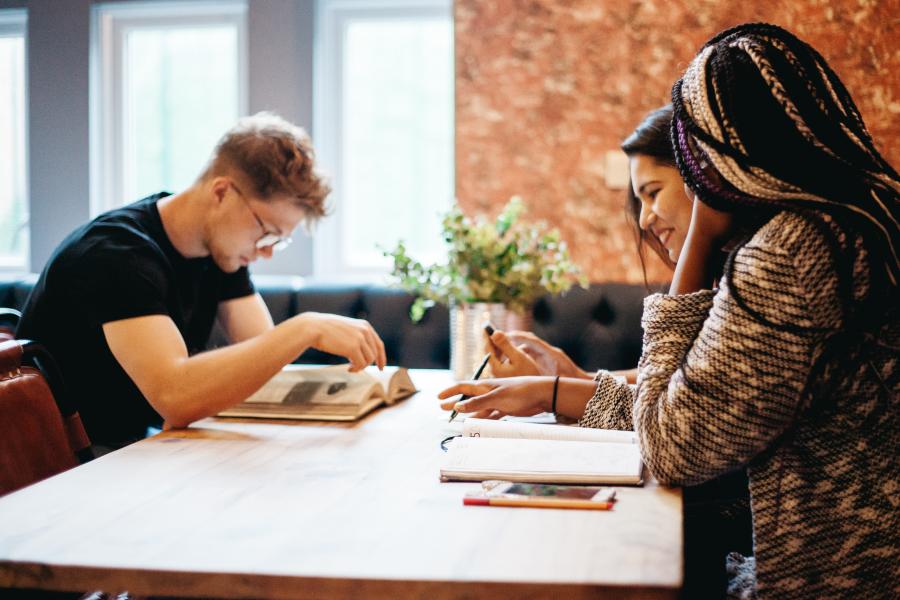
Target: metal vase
x: 468, y: 343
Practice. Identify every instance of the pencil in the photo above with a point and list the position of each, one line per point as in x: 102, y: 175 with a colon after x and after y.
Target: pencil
x: 475, y: 377
x: 536, y: 502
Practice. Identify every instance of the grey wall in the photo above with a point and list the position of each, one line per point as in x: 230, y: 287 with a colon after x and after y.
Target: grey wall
x: 58, y: 126
x: 279, y: 77
x: 280, y: 45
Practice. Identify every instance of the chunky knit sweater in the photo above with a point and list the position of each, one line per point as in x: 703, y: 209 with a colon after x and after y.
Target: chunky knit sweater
x: 811, y: 412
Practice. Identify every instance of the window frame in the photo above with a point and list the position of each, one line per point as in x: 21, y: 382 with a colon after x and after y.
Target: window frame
x: 110, y: 22
x: 14, y: 23
x: 331, y: 17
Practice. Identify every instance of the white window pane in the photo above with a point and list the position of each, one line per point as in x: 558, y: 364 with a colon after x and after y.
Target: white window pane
x: 13, y: 203
x: 180, y: 94
x: 397, y: 141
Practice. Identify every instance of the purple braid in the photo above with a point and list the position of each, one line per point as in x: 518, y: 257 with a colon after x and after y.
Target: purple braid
x: 707, y: 189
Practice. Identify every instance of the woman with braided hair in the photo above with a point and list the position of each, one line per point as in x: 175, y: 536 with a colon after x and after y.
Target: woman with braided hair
x: 784, y: 358
x: 716, y: 512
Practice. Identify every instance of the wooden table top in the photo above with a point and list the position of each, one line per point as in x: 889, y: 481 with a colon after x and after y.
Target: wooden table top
x: 255, y: 509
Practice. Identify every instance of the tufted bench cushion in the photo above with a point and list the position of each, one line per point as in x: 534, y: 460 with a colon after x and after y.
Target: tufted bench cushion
x: 598, y: 327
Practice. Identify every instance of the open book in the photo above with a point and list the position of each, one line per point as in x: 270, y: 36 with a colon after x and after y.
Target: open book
x: 325, y: 393
x: 517, y: 451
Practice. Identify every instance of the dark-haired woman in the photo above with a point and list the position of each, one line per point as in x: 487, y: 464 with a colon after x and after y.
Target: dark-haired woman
x: 716, y: 512
x: 792, y: 366
x: 661, y: 213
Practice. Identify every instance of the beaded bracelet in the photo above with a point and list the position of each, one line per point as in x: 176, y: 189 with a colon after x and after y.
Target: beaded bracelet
x: 553, y: 402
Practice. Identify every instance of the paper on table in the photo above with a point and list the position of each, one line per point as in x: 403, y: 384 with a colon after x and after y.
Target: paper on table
x: 542, y: 461
x: 532, y: 431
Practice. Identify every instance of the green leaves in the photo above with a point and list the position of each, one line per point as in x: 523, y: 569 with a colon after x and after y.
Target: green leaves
x: 505, y: 261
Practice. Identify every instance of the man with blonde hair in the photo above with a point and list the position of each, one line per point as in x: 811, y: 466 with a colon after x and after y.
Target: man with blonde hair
x: 127, y: 302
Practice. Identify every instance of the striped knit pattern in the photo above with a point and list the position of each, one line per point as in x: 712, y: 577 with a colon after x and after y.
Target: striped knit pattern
x: 810, y: 411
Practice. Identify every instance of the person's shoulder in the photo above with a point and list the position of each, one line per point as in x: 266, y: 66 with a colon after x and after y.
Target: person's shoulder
x: 791, y: 260
x: 795, y: 234
x: 134, y: 227
x: 127, y: 236
x: 141, y: 217
x: 802, y: 243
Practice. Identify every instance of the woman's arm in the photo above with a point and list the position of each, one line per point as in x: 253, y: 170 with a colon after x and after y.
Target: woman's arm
x: 717, y: 384
x: 518, y: 396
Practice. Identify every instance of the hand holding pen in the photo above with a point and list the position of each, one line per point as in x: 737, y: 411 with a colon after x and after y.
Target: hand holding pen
x: 489, y: 330
x: 474, y: 378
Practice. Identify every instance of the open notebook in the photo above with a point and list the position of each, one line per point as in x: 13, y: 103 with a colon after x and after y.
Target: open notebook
x: 517, y: 451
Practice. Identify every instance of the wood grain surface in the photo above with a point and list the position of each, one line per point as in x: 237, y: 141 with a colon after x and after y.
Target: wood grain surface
x: 258, y: 509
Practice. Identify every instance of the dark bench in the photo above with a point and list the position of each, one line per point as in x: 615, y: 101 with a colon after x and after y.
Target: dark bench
x: 598, y: 327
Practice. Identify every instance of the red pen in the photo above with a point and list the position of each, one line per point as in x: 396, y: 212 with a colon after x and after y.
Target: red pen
x: 536, y: 502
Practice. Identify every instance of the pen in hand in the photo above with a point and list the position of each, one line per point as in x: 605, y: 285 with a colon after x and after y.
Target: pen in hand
x: 477, y: 374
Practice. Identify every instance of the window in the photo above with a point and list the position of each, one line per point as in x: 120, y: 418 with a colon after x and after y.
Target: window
x: 13, y: 166
x: 168, y: 79
x: 383, y: 130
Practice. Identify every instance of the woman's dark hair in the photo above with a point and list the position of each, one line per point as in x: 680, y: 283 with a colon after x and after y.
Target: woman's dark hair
x: 649, y: 138
x: 769, y: 115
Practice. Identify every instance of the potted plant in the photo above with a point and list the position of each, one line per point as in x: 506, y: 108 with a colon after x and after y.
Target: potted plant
x: 494, y: 271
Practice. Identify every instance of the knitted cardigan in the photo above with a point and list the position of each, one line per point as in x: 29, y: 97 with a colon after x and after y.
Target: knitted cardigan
x: 813, y: 415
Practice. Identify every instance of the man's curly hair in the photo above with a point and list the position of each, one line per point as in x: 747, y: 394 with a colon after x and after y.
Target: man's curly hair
x: 273, y: 158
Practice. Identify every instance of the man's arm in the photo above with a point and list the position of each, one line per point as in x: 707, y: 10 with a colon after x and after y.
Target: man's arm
x: 183, y: 389
x: 244, y: 318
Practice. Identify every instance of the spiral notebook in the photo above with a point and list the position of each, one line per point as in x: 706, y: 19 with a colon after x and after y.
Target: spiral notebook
x: 516, y: 451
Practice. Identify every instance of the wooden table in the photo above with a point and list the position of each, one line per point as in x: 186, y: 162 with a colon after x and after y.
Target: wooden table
x: 250, y: 509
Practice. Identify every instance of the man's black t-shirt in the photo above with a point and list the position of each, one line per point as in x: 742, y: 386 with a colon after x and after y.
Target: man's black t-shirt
x: 119, y: 266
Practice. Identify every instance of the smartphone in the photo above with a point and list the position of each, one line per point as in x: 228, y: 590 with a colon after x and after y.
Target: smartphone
x: 543, y: 491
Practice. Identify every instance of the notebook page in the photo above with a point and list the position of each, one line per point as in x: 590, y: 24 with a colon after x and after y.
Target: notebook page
x: 490, y: 428
x: 542, y: 460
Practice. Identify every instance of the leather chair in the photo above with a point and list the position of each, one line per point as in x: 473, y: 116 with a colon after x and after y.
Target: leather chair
x: 40, y: 431
x: 9, y: 320
x: 41, y: 434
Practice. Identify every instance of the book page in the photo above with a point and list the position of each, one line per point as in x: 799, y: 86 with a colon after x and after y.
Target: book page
x: 542, y: 460
x: 322, y: 386
x: 490, y: 428
x: 395, y: 381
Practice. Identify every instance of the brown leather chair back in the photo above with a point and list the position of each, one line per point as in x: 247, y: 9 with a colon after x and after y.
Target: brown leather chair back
x: 39, y: 435
x: 9, y: 320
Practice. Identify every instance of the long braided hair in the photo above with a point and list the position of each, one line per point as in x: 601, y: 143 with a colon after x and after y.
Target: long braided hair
x: 776, y: 124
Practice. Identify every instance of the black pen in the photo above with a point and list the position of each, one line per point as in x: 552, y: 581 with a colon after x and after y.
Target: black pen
x: 478, y: 373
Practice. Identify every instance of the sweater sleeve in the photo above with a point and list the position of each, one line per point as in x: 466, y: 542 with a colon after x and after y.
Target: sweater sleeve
x: 722, y: 377
x: 610, y: 406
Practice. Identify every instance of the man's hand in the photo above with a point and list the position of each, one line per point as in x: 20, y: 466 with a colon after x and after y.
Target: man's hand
x: 354, y: 339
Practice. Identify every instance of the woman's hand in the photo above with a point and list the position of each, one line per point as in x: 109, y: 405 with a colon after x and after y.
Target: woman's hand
x: 526, y: 354
x: 495, y: 398
x: 714, y: 225
x: 509, y: 360
x: 700, y: 261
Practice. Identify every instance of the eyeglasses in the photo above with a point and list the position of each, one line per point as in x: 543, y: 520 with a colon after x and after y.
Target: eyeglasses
x: 269, y: 239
